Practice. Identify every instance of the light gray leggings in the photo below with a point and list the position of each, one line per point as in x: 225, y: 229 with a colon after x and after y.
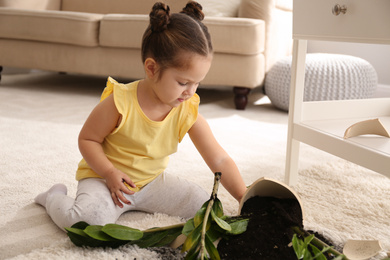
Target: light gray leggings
x: 167, y: 194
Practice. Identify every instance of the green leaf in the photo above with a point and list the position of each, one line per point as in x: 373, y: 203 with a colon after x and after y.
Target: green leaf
x: 97, y: 233
x: 308, y: 239
x: 122, y: 232
x: 158, y: 238
x: 148, y: 240
x: 307, y: 255
x: 199, y: 216
x: 299, y: 249
x: 188, y: 227
x: 238, y: 227
x: 192, y: 239
x: 319, y: 254
x: 168, y: 239
x: 215, y: 232
x: 223, y: 224
x: 80, y: 238
x: 193, y: 253
x: 217, y: 208
x: 80, y: 225
x: 211, y: 249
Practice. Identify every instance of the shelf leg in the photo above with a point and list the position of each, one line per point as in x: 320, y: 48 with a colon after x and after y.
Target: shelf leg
x: 292, y: 161
x: 295, y: 109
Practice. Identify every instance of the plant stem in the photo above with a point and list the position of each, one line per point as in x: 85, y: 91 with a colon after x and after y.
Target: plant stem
x: 217, y: 179
x: 150, y: 230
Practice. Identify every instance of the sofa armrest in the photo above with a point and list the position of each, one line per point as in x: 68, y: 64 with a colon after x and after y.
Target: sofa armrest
x: 32, y: 4
x: 285, y: 5
x: 277, y: 15
x: 62, y: 27
x: 263, y: 9
x: 234, y: 35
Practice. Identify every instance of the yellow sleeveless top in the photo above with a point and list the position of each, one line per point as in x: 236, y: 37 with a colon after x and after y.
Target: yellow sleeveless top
x: 139, y: 146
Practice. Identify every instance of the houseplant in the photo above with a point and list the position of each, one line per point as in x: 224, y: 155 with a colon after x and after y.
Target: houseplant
x: 210, y: 227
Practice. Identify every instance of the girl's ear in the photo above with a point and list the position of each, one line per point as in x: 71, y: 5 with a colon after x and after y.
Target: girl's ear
x: 151, y: 68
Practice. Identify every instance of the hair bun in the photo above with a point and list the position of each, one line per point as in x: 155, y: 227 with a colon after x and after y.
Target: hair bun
x: 194, y: 9
x: 159, y: 17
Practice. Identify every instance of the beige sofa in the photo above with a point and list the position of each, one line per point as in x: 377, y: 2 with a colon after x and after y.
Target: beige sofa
x: 103, y: 37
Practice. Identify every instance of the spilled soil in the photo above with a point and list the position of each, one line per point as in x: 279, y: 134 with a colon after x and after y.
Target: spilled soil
x: 269, y: 233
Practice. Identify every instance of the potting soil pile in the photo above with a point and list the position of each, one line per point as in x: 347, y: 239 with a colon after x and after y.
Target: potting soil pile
x: 269, y: 230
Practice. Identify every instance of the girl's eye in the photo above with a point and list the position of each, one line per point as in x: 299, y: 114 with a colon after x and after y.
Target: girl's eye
x: 183, y: 84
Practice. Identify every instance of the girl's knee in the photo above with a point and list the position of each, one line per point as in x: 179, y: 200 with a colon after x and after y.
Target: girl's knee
x: 100, y: 214
x: 96, y: 210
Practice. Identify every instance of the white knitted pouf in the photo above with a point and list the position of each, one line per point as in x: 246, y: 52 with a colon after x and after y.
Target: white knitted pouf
x: 327, y: 77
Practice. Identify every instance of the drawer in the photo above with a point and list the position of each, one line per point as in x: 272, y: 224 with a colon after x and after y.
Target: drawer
x: 364, y: 20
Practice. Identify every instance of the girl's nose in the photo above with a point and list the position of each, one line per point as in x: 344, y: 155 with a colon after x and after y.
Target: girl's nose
x: 190, y: 91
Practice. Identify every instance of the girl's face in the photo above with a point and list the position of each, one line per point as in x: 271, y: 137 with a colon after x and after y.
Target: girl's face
x: 178, y: 85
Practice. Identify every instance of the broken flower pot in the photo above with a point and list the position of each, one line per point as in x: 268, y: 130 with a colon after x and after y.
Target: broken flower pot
x: 266, y: 187
x: 273, y: 209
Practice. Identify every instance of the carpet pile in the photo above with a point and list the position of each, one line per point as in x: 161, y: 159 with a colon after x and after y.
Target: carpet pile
x: 341, y: 200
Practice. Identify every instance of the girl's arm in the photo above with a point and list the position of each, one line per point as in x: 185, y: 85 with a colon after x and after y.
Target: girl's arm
x: 100, y: 123
x: 216, y: 157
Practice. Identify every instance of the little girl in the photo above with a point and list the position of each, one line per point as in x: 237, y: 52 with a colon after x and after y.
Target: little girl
x: 126, y: 140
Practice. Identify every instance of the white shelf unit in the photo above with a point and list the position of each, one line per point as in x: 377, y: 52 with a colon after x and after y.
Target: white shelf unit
x: 322, y: 124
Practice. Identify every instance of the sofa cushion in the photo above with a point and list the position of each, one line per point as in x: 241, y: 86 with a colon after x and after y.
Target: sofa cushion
x: 50, y: 26
x: 123, y: 30
x: 229, y: 35
x: 226, y: 8
x: 36, y: 4
x: 118, y: 6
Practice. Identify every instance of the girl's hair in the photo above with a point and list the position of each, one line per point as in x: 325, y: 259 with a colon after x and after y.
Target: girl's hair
x: 169, y: 35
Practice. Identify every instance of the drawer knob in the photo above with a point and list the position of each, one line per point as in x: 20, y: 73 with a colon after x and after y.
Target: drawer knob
x: 337, y: 9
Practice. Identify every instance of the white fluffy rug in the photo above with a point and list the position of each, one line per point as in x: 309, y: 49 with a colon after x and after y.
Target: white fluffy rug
x: 341, y: 200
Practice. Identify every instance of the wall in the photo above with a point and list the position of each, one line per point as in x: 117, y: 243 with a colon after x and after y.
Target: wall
x: 377, y: 54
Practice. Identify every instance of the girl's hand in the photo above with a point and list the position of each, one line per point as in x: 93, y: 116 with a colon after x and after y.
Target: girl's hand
x: 116, y: 184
